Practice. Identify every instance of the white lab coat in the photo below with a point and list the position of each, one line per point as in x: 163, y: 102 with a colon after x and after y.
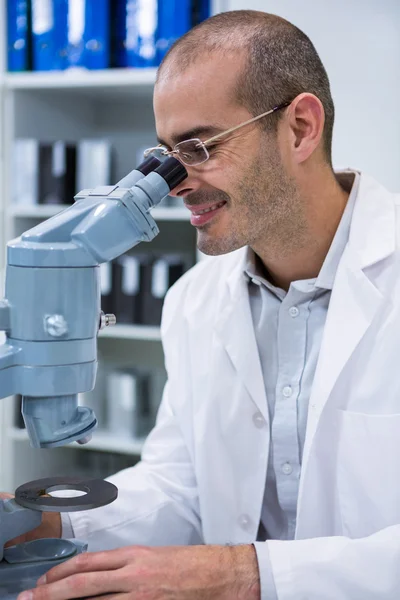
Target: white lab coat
x: 203, y: 472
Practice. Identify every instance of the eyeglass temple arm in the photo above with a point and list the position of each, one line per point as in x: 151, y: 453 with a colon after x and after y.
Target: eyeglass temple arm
x: 219, y: 135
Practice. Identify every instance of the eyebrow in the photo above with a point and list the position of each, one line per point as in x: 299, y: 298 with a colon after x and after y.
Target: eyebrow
x: 201, y: 130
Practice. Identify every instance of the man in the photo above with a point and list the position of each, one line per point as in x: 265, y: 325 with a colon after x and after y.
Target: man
x: 273, y: 468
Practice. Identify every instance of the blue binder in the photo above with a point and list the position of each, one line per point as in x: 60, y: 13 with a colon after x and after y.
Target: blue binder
x: 174, y: 20
x: 205, y: 11
x: 88, y: 34
x: 201, y: 10
x: 18, y: 35
x: 49, y: 34
x: 136, y: 33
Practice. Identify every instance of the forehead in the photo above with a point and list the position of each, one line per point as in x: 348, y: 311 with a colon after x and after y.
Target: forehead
x: 203, y: 94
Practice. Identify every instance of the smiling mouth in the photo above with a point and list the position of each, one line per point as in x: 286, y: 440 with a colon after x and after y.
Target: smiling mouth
x: 206, y: 210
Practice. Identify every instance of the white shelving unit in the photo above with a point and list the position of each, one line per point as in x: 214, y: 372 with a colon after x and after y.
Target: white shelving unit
x: 4, y: 467
x: 116, y: 105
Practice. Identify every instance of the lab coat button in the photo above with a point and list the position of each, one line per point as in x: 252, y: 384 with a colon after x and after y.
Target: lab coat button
x: 287, y: 468
x: 244, y: 522
x: 259, y: 420
x: 294, y: 312
x: 287, y: 391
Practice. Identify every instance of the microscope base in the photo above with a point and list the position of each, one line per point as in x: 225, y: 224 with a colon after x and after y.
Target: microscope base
x: 19, y: 577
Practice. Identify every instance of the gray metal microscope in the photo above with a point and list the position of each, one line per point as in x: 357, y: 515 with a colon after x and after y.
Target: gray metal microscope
x: 51, y: 315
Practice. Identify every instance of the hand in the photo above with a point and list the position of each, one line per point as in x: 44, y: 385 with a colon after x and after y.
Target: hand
x: 49, y: 527
x: 144, y: 573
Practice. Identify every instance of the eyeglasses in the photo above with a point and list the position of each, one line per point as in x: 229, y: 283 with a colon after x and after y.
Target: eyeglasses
x: 194, y: 152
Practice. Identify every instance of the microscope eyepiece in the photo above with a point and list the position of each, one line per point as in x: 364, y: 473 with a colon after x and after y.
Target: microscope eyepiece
x: 172, y: 171
x: 148, y: 165
x: 145, y: 168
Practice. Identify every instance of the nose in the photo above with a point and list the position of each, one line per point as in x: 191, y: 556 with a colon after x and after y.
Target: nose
x: 189, y: 185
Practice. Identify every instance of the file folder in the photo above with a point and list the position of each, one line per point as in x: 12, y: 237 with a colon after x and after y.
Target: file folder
x: 127, y: 282
x: 135, y: 41
x: 128, y: 403
x: 25, y: 171
x: 49, y: 34
x: 18, y: 35
x: 159, y: 276
x: 174, y: 20
x: 201, y: 10
x: 88, y: 33
x: 57, y: 173
x: 94, y: 164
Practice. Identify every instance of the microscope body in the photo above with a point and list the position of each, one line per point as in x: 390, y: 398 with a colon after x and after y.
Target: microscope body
x: 51, y: 316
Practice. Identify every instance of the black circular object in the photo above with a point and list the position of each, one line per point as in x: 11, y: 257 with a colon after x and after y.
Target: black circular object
x: 172, y: 171
x: 97, y: 493
x: 148, y: 165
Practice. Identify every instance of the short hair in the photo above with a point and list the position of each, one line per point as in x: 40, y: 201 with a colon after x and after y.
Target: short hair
x: 281, y: 62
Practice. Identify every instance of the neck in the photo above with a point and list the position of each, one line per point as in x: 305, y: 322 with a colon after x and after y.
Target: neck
x: 300, y: 252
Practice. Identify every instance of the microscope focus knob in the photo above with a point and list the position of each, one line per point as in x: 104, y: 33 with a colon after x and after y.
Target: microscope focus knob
x: 107, y: 320
x: 56, y: 325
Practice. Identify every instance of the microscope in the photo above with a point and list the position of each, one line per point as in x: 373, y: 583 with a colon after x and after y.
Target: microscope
x: 51, y: 316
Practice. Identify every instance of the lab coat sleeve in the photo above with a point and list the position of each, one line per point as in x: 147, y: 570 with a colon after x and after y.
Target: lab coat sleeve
x: 337, y: 568
x: 267, y: 583
x: 157, y: 501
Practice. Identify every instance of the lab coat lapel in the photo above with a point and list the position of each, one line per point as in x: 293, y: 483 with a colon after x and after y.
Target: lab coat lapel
x: 355, y: 298
x: 236, y: 332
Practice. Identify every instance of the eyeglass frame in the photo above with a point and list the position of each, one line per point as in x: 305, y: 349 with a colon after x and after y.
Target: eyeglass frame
x: 203, y: 145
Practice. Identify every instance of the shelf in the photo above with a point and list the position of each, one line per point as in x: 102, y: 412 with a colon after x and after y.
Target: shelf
x: 132, y: 332
x: 101, y: 440
x: 80, y: 78
x: 103, y: 83
x: 45, y: 211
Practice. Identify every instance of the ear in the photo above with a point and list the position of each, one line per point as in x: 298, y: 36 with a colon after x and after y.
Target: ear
x: 306, y: 118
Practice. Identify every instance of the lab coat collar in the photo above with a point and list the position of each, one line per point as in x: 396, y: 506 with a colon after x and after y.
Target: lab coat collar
x: 355, y: 299
x: 236, y: 331
x: 372, y: 232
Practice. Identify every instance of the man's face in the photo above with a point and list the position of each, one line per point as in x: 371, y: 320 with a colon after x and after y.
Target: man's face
x: 244, y: 180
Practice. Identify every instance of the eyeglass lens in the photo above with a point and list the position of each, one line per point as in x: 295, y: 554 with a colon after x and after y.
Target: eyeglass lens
x: 192, y: 152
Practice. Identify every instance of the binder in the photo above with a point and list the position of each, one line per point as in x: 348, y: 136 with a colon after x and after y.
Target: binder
x: 88, y: 34
x: 49, y: 34
x: 18, y: 35
x: 25, y: 172
x: 93, y: 164
x: 174, y: 20
x: 201, y: 10
x: 106, y: 287
x: 57, y: 173
x: 127, y: 403
x: 127, y: 282
x: 159, y: 276
x: 135, y: 40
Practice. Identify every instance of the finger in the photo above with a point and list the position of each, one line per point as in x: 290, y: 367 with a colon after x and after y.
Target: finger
x: 81, y: 585
x: 5, y: 496
x: 110, y: 597
x: 86, y: 562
